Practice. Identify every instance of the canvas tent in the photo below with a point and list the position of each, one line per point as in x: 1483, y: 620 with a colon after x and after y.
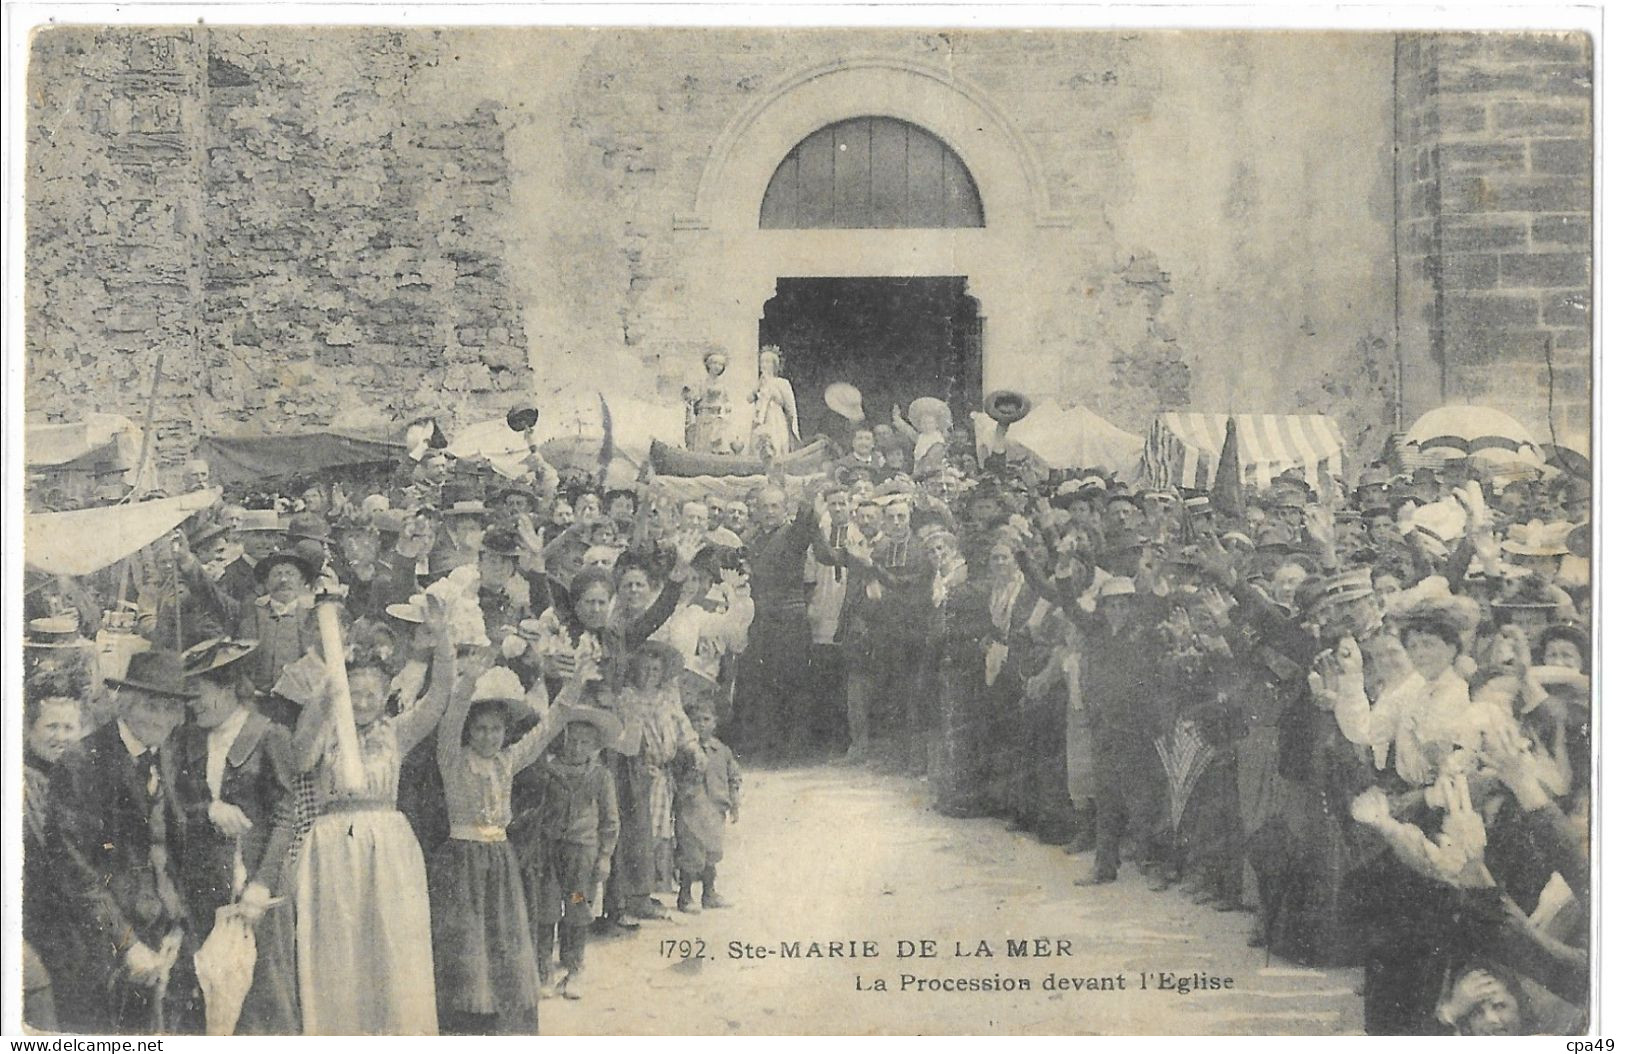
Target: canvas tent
x: 1066, y: 438
x: 1182, y: 449
x: 84, y: 541
x: 251, y: 458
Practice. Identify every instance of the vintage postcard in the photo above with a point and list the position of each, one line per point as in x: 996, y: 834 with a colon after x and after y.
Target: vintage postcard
x: 543, y: 529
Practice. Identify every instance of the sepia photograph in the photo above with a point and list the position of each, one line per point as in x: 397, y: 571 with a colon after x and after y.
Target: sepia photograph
x: 646, y: 529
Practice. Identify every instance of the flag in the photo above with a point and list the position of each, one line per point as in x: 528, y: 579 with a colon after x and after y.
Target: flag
x: 606, y: 452
x: 1227, y: 497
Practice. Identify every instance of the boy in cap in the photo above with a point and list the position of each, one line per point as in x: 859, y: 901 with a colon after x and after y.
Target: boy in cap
x: 707, y: 792
x: 566, y: 842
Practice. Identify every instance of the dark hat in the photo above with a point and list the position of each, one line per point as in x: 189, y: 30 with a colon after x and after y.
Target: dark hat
x: 521, y: 418
x: 309, y: 525
x: 1340, y: 588
x: 507, y: 492
x: 55, y: 631
x: 502, y: 543
x: 1276, y: 540
x: 207, y: 531
x: 300, y: 560
x: 1568, y: 631
x: 464, y: 507
x: 158, y: 672
x: 1123, y: 494
x: 215, y: 654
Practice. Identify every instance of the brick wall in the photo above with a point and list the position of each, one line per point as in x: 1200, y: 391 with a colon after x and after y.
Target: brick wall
x: 1494, y: 177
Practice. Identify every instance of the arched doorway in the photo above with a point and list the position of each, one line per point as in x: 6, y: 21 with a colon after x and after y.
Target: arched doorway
x: 895, y: 338
x: 737, y: 259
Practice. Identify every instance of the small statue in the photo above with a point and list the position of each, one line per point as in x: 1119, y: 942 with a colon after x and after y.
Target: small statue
x: 710, y: 411
x: 775, y: 428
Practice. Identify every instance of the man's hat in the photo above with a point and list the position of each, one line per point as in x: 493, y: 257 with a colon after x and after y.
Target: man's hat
x: 215, y: 654
x: 604, y: 720
x: 313, y: 526
x: 465, y: 507
x: 506, y: 492
x: 205, y: 532
x: 415, y: 610
x: 293, y: 557
x: 502, y: 543
x: 261, y: 520
x: 1341, y: 588
x: 1537, y: 538
x: 1275, y: 539
x: 1072, y: 491
x: 55, y: 631
x: 523, y: 418
x: 157, y: 672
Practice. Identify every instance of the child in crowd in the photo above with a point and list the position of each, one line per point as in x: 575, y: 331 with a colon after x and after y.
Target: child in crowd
x: 707, y: 791
x: 485, y: 963
x: 566, y: 842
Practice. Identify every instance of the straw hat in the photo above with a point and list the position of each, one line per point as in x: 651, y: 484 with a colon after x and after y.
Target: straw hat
x: 498, y: 684
x: 923, y: 407
x: 604, y: 720
x: 215, y: 654
x: 845, y: 400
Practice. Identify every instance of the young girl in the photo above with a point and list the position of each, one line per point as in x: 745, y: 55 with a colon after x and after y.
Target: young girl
x: 360, y: 894
x: 707, y: 791
x: 485, y: 962
x: 657, y: 731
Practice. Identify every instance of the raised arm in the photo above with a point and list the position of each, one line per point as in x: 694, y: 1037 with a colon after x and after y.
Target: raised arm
x: 449, y: 738
x: 532, y: 744
x: 418, y: 721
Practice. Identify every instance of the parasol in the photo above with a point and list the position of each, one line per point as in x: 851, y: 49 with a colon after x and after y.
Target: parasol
x: 1456, y: 431
x: 225, y: 969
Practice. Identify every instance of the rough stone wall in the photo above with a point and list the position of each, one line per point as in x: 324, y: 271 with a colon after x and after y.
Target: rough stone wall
x: 1233, y: 196
x: 308, y: 227
x: 1495, y: 158
x: 378, y: 223
x: 114, y: 226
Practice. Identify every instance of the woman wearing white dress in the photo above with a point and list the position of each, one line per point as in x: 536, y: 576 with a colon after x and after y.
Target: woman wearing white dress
x: 774, y: 424
x: 366, y: 965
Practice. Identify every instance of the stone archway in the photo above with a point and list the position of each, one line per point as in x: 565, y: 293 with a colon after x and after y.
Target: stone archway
x: 733, y: 267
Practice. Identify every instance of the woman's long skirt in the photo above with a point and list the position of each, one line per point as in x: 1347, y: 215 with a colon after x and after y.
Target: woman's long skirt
x: 365, y: 961
x: 484, y: 959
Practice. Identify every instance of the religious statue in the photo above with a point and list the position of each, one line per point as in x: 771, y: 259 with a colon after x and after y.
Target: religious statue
x: 707, y: 425
x: 775, y: 429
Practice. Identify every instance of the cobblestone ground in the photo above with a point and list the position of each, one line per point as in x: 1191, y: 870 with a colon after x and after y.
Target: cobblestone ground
x: 828, y: 856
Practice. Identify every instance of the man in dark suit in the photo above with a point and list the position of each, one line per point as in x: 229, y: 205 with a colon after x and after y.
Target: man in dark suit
x: 235, y: 783
x: 883, y: 626
x: 114, y: 827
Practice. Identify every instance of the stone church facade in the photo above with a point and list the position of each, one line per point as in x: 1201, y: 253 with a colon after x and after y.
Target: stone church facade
x: 362, y: 226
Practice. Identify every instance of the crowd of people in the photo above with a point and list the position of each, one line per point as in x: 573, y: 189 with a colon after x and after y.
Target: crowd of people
x: 433, y: 732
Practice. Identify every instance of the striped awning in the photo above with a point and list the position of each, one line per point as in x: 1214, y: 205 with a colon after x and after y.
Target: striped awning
x: 1182, y: 449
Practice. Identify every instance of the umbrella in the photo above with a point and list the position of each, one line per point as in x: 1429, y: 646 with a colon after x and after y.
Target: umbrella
x: 1456, y: 431
x: 225, y: 969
